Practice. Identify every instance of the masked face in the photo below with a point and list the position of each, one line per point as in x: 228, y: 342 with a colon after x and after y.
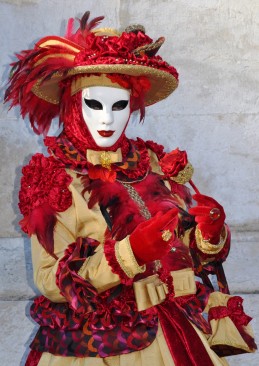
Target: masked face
x: 106, y: 112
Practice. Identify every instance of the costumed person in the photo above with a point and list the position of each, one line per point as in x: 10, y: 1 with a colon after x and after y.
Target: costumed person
x: 122, y: 252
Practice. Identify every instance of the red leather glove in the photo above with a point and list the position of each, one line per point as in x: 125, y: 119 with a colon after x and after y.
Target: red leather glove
x: 210, y: 217
x: 146, y: 240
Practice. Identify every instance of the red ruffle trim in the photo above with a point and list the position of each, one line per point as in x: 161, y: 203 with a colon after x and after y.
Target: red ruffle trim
x: 120, y: 49
x: 55, y: 315
x: 80, y: 164
x: 156, y: 148
x: 143, y: 164
x: 109, y: 252
x: 78, y: 292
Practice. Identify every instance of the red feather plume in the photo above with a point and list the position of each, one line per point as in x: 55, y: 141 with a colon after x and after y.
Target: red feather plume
x: 23, y: 78
x: 86, y: 27
x: 41, y: 63
x: 123, y: 210
x: 41, y: 221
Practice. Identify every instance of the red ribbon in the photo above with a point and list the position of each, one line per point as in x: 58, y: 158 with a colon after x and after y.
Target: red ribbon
x: 183, y: 341
x: 234, y: 310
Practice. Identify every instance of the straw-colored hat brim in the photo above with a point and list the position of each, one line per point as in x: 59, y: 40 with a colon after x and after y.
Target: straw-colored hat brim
x: 162, y: 83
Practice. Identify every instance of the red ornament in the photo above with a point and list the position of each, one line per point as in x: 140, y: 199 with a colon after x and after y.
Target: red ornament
x: 173, y: 162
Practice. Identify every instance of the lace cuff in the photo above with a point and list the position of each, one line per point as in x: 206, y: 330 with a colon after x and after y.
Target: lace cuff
x: 206, y: 247
x: 122, y: 260
x: 126, y: 259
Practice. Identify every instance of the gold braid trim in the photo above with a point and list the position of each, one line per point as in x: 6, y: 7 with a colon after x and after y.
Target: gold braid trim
x: 126, y: 259
x: 206, y: 247
x: 138, y: 200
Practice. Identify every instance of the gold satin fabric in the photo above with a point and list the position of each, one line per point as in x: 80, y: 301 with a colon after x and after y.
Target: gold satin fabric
x: 224, y: 330
x: 152, y: 291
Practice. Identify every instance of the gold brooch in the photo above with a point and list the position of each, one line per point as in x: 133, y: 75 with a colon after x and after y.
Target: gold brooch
x: 105, y: 160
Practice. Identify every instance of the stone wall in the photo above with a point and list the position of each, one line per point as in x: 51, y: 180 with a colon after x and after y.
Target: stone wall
x: 213, y: 115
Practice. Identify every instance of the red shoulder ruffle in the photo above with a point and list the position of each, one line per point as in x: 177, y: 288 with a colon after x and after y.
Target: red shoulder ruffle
x: 44, y: 180
x: 44, y: 192
x: 156, y: 148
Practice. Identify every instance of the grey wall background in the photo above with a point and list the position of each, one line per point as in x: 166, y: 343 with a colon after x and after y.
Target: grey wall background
x: 213, y: 115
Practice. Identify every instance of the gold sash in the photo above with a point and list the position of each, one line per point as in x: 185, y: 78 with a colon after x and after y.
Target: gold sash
x: 152, y: 291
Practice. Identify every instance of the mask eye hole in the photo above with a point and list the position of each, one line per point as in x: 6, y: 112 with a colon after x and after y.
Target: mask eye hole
x: 93, y: 104
x: 120, y: 105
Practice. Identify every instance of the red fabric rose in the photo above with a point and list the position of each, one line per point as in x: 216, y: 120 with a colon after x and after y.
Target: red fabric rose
x: 173, y: 162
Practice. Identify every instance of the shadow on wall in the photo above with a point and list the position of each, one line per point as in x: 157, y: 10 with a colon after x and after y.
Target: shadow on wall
x: 30, y: 339
x: 30, y: 282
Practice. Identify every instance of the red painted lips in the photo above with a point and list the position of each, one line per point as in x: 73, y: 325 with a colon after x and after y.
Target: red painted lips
x: 106, y: 133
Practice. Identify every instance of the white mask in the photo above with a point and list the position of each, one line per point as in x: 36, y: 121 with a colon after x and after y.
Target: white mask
x: 106, y: 112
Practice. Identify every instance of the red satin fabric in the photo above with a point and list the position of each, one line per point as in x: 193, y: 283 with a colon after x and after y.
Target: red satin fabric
x: 33, y: 358
x: 183, y: 342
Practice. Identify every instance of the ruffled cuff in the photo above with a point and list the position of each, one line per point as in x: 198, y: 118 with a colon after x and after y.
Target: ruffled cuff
x: 231, y: 332
x: 78, y: 292
x: 122, y: 260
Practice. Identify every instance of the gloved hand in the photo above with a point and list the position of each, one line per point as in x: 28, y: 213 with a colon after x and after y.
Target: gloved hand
x: 210, y: 217
x: 151, y: 240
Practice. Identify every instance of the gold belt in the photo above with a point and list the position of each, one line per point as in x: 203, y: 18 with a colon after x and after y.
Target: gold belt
x: 151, y: 291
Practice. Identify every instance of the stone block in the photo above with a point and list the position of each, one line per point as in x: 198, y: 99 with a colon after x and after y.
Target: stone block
x: 16, y: 277
x: 17, y: 331
x: 241, y: 266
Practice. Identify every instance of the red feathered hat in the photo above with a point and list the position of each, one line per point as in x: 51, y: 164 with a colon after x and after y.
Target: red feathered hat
x: 38, y: 76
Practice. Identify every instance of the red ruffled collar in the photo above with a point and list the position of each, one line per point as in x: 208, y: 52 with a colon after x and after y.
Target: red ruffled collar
x: 134, y: 166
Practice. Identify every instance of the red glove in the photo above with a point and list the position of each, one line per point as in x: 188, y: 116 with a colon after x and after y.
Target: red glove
x: 210, y: 217
x: 146, y: 240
